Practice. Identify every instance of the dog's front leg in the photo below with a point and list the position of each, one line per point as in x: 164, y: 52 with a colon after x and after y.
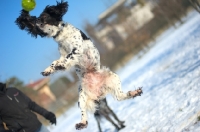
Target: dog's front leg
x: 53, y: 67
x: 69, y: 60
x: 82, y: 106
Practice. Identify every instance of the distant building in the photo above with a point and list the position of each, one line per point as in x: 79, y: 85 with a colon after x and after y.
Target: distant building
x: 117, y: 22
x: 44, y: 92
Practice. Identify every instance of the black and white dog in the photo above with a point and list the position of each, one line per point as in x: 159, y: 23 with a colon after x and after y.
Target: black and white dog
x: 78, y: 51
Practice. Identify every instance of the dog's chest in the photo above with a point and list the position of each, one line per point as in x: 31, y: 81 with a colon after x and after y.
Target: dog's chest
x: 68, y: 39
x: 63, y: 49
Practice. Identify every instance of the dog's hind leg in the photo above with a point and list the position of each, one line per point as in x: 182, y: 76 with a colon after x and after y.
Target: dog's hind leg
x: 110, y: 111
x: 113, y: 86
x: 97, y: 117
x: 82, y: 105
x: 106, y: 115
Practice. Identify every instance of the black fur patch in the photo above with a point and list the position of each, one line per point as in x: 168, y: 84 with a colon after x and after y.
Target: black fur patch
x: 73, y: 51
x: 69, y: 55
x: 58, y: 32
x: 84, y: 36
x: 28, y: 23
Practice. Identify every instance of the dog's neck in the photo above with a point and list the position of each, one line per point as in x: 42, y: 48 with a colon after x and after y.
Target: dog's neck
x: 60, y: 26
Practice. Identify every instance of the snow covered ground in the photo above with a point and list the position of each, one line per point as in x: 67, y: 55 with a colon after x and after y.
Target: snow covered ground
x: 170, y: 76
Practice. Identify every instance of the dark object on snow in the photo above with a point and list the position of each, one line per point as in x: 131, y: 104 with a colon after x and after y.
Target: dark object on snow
x: 195, y: 4
x: 104, y: 111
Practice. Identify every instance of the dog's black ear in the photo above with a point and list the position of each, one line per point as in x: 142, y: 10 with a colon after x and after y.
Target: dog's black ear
x: 57, y: 11
x: 28, y: 23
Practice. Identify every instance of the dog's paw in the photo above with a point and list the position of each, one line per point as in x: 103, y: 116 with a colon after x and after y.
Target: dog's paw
x: 121, y: 122
x: 80, y: 126
x: 122, y: 126
x: 47, y: 71
x: 135, y: 93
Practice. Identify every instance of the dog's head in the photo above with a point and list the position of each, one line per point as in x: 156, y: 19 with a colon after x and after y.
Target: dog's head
x: 51, y: 15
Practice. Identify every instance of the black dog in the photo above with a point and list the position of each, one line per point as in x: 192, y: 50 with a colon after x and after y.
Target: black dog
x: 78, y: 51
x: 105, y: 111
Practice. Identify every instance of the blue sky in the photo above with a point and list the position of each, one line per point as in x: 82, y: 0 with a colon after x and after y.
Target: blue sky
x: 24, y: 56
